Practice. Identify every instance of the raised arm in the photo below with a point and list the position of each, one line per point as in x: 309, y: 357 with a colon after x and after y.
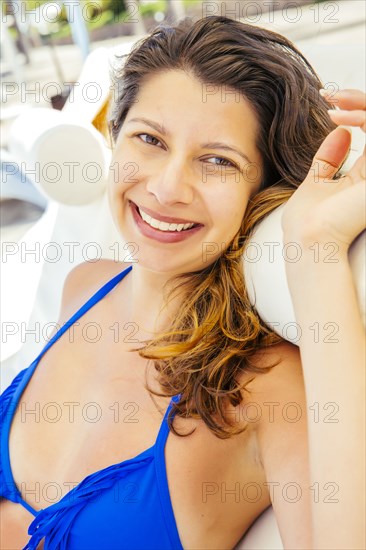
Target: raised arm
x: 324, y: 216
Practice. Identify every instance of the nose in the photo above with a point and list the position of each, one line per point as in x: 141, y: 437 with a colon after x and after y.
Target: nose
x: 172, y: 181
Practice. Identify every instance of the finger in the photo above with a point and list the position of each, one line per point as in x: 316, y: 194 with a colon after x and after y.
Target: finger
x: 349, y: 118
x: 331, y: 154
x: 345, y: 99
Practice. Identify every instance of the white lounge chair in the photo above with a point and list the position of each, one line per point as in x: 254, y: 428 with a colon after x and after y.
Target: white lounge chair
x: 79, y: 214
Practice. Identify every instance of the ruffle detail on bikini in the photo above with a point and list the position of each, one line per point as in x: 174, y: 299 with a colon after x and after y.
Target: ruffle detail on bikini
x: 5, y: 400
x: 55, y: 522
x: 8, y: 393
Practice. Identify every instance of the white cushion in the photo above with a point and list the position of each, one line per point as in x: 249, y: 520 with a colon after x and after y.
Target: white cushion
x: 66, y: 159
x: 264, y: 268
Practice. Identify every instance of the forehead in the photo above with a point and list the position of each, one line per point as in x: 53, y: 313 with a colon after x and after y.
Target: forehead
x: 179, y: 101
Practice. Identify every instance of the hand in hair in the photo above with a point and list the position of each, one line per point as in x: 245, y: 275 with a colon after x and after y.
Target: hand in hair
x: 330, y: 210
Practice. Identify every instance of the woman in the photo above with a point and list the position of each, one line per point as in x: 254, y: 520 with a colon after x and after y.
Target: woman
x: 105, y: 471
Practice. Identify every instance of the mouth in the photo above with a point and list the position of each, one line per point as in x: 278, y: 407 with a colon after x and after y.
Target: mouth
x: 162, y: 231
x: 163, y: 226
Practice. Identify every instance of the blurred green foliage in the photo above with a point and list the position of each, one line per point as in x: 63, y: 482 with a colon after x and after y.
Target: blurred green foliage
x: 98, y: 13
x: 103, y: 12
x: 33, y: 4
x: 115, y: 6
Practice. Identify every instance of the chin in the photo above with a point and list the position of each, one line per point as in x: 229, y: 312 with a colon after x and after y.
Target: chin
x: 164, y: 262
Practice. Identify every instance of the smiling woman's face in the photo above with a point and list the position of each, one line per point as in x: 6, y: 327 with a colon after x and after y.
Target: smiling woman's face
x: 175, y: 158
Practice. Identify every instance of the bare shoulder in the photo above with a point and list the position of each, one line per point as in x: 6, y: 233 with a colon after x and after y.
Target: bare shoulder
x: 287, y: 370
x: 278, y: 397
x: 84, y: 280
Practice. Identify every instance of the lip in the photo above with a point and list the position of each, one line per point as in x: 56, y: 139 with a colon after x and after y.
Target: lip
x: 162, y: 218
x: 156, y: 234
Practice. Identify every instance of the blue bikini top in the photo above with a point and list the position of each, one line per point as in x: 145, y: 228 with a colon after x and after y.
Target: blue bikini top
x: 125, y: 506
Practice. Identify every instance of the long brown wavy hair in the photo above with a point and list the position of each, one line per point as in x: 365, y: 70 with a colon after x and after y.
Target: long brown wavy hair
x: 217, y: 331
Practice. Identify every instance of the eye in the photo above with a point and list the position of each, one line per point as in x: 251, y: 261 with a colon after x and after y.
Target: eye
x: 229, y: 163
x: 148, y: 136
x: 225, y: 163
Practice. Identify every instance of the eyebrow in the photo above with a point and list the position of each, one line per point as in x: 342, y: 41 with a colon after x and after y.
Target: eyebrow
x: 212, y: 145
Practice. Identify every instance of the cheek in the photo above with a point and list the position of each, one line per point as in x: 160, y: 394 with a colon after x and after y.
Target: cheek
x: 112, y: 193
x: 124, y: 168
x: 121, y: 177
x: 115, y: 185
x: 230, y: 208
x: 112, y: 202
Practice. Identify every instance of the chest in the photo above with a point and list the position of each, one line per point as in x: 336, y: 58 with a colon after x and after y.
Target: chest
x: 77, y: 417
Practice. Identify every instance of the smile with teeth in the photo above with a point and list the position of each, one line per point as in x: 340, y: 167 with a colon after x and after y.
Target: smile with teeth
x: 164, y: 226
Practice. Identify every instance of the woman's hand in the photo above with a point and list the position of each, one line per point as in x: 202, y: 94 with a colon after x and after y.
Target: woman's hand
x: 325, y: 210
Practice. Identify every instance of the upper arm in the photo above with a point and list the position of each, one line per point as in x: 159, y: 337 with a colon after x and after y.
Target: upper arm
x: 283, y: 445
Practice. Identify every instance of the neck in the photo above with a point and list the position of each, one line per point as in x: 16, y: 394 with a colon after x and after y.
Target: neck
x: 147, y: 297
